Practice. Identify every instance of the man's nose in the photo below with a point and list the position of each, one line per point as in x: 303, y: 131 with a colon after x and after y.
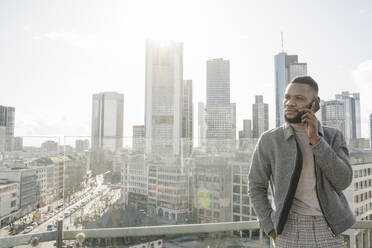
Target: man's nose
x: 290, y: 103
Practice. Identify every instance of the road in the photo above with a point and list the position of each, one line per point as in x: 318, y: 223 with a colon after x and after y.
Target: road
x: 88, y: 207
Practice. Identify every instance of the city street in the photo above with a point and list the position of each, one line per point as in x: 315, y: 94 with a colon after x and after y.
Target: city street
x: 89, y: 207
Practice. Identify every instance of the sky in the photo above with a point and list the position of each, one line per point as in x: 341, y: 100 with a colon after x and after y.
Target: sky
x: 54, y: 55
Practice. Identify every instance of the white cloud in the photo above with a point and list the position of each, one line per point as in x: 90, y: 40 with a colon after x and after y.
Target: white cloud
x: 362, y: 77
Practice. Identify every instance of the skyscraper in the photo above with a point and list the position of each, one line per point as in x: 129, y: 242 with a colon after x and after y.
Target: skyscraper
x: 107, y: 121
x: 187, y: 117
x: 138, y: 139
x: 245, y: 135
x: 247, y: 128
x: 218, y: 82
x: 333, y: 114
x: 344, y: 114
x: 286, y: 68
x: 221, y: 130
x: 352, y: 114
x: 260, y: 116
x: 7, y: 118
x: 358, y: 122
x: 164, y: 97
x: 202, y: 125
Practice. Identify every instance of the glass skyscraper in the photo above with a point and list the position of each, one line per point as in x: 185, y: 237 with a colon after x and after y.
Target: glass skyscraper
x: 260, y: 116
x: 164, y: 97
x: 221, y: 113
x: 7, y: 119
x: 107, y: 121
x: 286, y: 68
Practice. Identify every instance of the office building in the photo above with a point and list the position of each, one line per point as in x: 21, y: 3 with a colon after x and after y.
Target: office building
x: 26, y: 178
x: 187, y: 118
x: 221, y: 113
x: 138, y: 141
x: 9, y: 195
x: 107, y: 121
x: 343, y: 113
x: 164, y: 98
x: 287, y: 67
x: 7, y: 120
x: 202, y: 125
x: 260, y: 116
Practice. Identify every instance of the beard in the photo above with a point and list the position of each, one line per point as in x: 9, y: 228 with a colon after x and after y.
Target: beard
x: 296, y: 119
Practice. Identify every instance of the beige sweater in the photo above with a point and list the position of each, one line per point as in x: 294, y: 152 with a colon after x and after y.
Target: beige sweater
x: 305, y: 201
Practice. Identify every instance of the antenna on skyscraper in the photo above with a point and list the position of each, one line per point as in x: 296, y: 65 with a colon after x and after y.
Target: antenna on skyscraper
x: 281, y: 34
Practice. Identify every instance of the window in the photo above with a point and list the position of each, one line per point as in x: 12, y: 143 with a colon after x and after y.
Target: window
x: 236, y: 199
x: 13, y: 204
x: 236, y: 189
x: 237, y: 179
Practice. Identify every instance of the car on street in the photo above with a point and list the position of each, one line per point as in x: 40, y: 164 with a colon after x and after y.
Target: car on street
x: 27, y: 229
x: 49, y: 228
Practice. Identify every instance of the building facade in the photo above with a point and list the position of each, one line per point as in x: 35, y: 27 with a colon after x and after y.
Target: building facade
x: 221, y: 113
x: 333, y: 114
x: 168, y: 191
x: 135, y: 181
x: 362, y: 204
x: 107, y: 121
x: 7, y: 120
x: 343, y: 113
x: 286, y: 68
x: 9, y: 203
x: 211, y: 190
x: 138, y: 141
x: 164, y: 98
x: 202, y: 126
x: 260, y: 116
x: 187, y: 118
x: 27, y: 180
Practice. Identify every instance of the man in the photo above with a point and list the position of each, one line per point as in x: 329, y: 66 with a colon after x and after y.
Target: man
x: 307, y: 166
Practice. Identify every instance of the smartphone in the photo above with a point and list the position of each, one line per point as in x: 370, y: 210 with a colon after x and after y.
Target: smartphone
x: 316, y: 106
x: 310, y: 105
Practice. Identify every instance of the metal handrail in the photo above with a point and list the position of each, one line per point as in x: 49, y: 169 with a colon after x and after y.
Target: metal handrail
x: 142, y: 231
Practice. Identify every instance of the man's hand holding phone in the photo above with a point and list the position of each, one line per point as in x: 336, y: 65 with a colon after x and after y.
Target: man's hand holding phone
x: 311, y: 122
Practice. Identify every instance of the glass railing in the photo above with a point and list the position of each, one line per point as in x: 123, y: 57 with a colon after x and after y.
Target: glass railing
x: 122, y: 191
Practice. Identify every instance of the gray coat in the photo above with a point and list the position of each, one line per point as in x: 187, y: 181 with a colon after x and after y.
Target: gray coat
x: 273, y: 162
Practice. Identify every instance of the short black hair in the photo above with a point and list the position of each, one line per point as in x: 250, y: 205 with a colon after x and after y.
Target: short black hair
x: 306, y: 80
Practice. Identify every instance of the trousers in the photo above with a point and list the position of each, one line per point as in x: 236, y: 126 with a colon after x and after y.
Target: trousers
x: 307, y: 232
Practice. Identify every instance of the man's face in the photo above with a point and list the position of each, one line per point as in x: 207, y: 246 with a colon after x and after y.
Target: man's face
x: 296, y: 98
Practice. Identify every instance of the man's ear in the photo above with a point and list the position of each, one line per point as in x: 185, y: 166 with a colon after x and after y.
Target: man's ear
x: 318, y: 99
